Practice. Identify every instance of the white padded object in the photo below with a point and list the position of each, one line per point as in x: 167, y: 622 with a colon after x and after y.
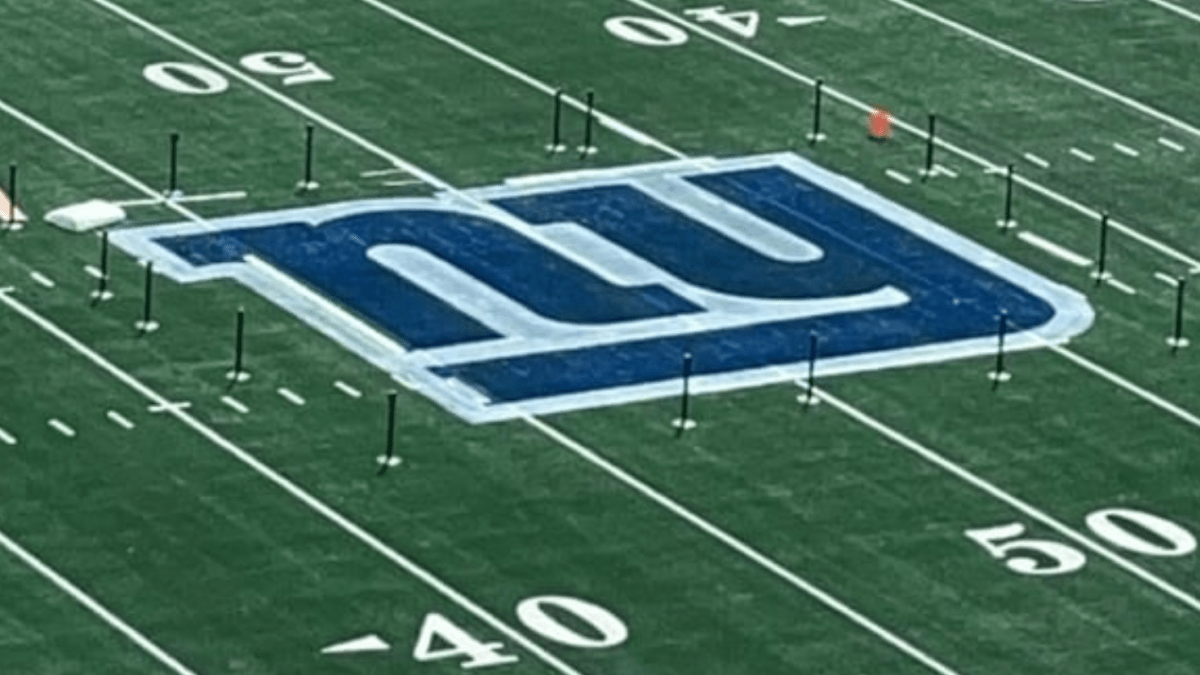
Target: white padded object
x: 85, y: 216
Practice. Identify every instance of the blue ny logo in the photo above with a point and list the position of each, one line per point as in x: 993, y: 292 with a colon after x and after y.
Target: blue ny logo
x: 565, y: 292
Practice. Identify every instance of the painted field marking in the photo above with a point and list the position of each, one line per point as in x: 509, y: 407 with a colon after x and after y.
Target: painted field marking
x: 897, y: 176
x: 1053, y: 249
x: 347, y: 389
x: 290, y: 396
x: 1127, y: 101
x: 235, y: 404
x: 832, y: 92
x: 381, y: 172
x: 794, y: 21
x: 924, y: 452
x: 1120, y: 286
x: 61, y: 427
x: 294, y: 490
x: 119, y: 419
x: 93, y: 606
x: 1082, y: 155
x: 185, y: 199
x: 169, y: 407
x: 42, y: 279
x: 93, y: 271
x: 1170, y: 144
x: 1125, y: 150
x: 7, y: 438
x: 739, y: 546
x: 1034, y: 159
x: 1171, y: 7
x: 402, y: 183
x: 1167, y: 279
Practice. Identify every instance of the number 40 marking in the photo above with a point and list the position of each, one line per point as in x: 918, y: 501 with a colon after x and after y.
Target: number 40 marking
x: 608, y: 631
x: 1042, y: 557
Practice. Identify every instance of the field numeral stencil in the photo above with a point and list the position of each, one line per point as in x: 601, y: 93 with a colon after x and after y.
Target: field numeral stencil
x: 1130, y: 529
x: 440, y: 638
x: 193, y: 79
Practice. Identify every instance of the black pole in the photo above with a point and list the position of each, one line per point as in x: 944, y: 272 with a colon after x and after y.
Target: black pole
x: 556, y: 130
x: 929, y: 147
x: 1178, y: 340
x: 103, y: 291
x: 390, y: 443
x: 12, y: 194
x: 239, y: 344
x: 172, y: 181
x: 998, y: 376
x: 816, y: 132
x: 309, y: 130
x: 587, y: 147
x: 1101, y: 259
x: 683, y: 402
x: 812, y: 366
x: 147, y: 324
x: 1008, y: 191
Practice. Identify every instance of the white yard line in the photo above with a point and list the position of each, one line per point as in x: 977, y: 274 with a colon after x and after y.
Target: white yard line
x: 1054, y: 249
x: 92, y: 605
x: 1038, y: 161
x: 1020, y: 505
x: 347, y: 389
x: 235, y: 404
x: 290, y: 396
x: 1125, y: 150
x: 1172, y: 7
x: 1082, y: 155
x: 61, y: 427
x: 42, y: 279
x: 1170, y: 144
x: 7, y: 438
x: 294, y: 490
x: 1065, y: 74
x: 119, y: 419
x: 920, y: 132
x: 740, y: 547
x: 897, y: 176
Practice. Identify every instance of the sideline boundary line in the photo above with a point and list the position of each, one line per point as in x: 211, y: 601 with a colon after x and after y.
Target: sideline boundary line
x: 91, y: 604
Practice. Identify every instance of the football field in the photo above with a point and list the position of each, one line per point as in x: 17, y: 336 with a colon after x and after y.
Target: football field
x: 924, y: 508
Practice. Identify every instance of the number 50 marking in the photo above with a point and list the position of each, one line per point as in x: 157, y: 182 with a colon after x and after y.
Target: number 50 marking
x: 1042, y: 557
x: 196, y: 80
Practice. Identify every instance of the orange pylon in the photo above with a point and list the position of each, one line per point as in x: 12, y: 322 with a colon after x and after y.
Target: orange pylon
x: 879, y: 125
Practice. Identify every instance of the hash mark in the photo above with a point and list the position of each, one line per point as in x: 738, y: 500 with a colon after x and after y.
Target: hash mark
x: 1034, y: 159
x: 896, y: 175
x: 235, y: 404
x: 7, y: 437
x: 347, y: 389
x: 42, y: 279
x: 1170, y: 144
x: 1125, y: 149
x: 290, y: 395
x: 119, y: 419
x: 61, y: 428
x: 1082, y: 155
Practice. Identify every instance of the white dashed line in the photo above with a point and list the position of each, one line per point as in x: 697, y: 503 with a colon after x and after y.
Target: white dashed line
x: 896, y: 175
x: 42, y: 279
x: 1034, y: 159
x: 119, y: 419
x: 1170, y: 144
x: 7, y: 437
x: 1082, y: 155
x: 1125, y: 150
x: 1054, y: 249
x: 235, y: 404
x: 62, y: 428
x: 290, y: 395
x: 347, y: 389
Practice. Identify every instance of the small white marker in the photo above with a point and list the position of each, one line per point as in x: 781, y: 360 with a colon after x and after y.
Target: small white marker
x: 896, y: 175
x: 793, y: 21
x: 181, y: 405
x: 62, y: 428
x: 42, y: 279
x: 1034, y: 159
x: 402, y: 183
x: 7, y: 437
x: 290, y: 395
x: 119, y: 419
x: 93, y: 271
x: 235, y: 404
x: 1166, y: 279
x: 6, y: 290
x: 1125, y: 150
x: 1082, y: 155
x: 1170, y: 144
x: 1054, y: 249
x: 1121, y: 286
x: 347, y: 389
x: 382, y: 172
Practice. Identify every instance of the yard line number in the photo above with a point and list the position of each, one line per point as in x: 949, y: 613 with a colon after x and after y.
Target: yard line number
x: 180, y: 77
x: 649, y: 32
x: 1130, y: 529
x: 557, y: 618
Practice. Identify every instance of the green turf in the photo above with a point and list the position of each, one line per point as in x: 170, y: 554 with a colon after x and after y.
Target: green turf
x: 231, y: 574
